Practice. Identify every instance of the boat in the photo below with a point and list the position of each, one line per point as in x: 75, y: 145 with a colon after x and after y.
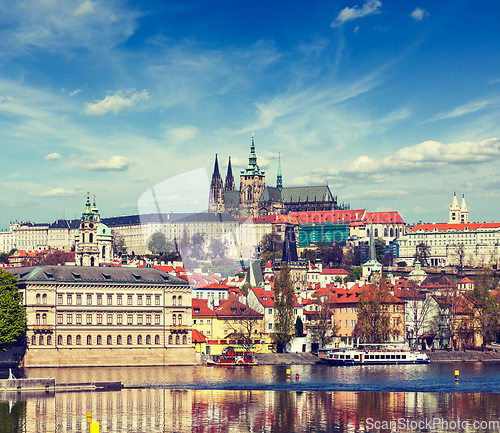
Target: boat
x: 372, y: 354
x: 233, y: 356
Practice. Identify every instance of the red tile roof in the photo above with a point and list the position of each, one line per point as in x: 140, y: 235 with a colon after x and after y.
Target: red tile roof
x: 233, y: 307
x: 335, y: 272
x: 383, y: 218
x: 465, y: 280
x: 454, y: 227
x: 197, y: 337
x: 335, y: 216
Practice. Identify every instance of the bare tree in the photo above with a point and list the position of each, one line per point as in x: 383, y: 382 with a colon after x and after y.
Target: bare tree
x: 418, y: 310
x: 323, y: 326
x: 246, y: 318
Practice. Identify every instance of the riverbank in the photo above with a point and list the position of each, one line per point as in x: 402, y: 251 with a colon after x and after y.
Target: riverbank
x: 467, y: 356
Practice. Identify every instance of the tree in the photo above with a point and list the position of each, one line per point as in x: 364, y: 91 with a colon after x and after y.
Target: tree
x: 4, y: 257
x: 379, y: 249
x: 324, y: 327
x: 12, y: 311
x: 309, y: 255
x: 388, y: 259
x: 158, y: 243
x: 423, y: 251
x: 374, y: 320
x: 418, y: 310
x: 271, y: 242
x: 284, y: 301
x: 218, y: 247
x: 198, y: 246
x: 247, y: 321
x: 58, y: 258
x: 355, y: 274
x: 331, y: 255
x: 460, y: 253
x: 299, y: 327
x: 118, y: 243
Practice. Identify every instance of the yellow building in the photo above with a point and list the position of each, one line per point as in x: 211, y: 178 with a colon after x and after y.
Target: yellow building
x: 229, y: 323
x: 88, y: 316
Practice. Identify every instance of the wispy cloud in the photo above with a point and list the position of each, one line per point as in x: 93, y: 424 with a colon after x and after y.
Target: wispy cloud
x: 115, y: 103
x: 57, y: 192
x: 470, y: 107
x: 86, y: 7
x: 115, y: 163
x: 75, y: 92
x: 348, y: 14
x: 181, y: 134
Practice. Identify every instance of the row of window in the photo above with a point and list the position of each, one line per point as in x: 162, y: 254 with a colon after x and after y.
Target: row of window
x: 99, y: 340
x: 176, y: 300
x: 176, y: 319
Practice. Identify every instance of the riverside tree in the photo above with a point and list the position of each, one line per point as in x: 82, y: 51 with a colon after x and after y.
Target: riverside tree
x: 324, y: 327
x: 12, y: 311
x: 284, y: 301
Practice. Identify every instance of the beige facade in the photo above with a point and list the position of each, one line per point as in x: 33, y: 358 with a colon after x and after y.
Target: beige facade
x: 85, y: 316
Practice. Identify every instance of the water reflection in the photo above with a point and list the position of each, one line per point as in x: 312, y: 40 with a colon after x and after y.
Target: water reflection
x: 154, y: 410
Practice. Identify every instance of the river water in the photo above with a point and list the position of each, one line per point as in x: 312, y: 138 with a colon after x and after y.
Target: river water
x: 265, y: 399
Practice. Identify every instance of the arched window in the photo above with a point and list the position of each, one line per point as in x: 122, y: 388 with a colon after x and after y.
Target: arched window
x: 44, y: 319
x: 157, y: 339
x: 385, y: 232
x: 89, y: 340
x: 83, y: 238
x: 37, y: 318
x: 179, y: 301
x: 119, y: 340
x: 68, y: 340
x: 375, y: 233
x: 179, y: 319
x: 91, y: 237
x: 91, y: 261
x: 177, y: 340
x: 40, y: 340
x: 368, y: 233
x: 33, y: 340
x: 173, y: 319
x: 49, y: 340
x: 174, y: 298
x: 108, y: 340
x: 148, y: 339
x: 44, y: 298
x: 99, y: 340
x: 139, y: 339
x: 184, y: 339
x: 129, y: 339
x: 38, y: 298
x: 59, y: 340
x: 103, y: 252
x: 392, y: 232
x: 396, y: 232
x: 78, y: 340
x: 170, y: 341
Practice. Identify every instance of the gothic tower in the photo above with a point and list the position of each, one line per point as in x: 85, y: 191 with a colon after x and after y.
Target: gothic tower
x: 464, y: 213
x: 86, y: 249
x: 454, y: 211
x: 252, y: 184
x: 279, y: 179
x: 216, y: 190
x: 229, y: 185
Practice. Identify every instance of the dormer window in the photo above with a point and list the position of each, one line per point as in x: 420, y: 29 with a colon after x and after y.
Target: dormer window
x: 106, y: 276
x: 76, y: 275
x: 137, y: 277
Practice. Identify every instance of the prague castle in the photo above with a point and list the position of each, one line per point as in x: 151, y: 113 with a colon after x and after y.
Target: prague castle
x: 255, y: 199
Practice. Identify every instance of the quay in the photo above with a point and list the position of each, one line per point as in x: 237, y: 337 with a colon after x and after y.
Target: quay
x: 50, y: 385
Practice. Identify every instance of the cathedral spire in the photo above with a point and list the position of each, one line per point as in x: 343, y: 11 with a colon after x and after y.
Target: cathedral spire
x: 217, y: 190
x: 279, y: 179
x: 216, y: 168
x: 252, y: 167
x: 229, y: 185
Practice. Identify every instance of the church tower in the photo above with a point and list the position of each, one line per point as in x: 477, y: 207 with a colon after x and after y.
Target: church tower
x: 279, y: 179
x: 252, y: 184
x: 216, y: 190
x: 229, y: 185
x: 464, y: 213
x: 86, y: 248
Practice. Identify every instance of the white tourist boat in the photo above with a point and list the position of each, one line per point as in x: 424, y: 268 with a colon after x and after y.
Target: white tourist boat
x: 372, y: 354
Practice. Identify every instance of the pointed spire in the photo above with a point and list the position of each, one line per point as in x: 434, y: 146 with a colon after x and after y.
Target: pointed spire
x: 279, y: 179
x: 229, y: 185
x: 252, y: 167
x: 216, y: 167
x: 463, y: 207
x: 454, y: 203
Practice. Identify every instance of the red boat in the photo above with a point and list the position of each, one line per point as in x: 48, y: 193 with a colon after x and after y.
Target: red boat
x: 233, y: 356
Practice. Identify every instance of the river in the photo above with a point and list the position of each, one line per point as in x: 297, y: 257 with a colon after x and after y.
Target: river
x: 265, y: 399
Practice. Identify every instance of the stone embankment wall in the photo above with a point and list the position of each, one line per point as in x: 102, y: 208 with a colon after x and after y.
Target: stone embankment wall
x: 469, y: 355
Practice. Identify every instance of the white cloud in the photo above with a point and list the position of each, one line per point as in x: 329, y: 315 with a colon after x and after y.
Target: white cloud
x: 75, y: 92
x: 181, y: 134
x: 377, y: 193
x: 418, y: 14
x: 115, y: 103
x: 52, y: 156
x: 470, y: 107
x: 6, y: 99
x: 115, y: 163
x: 137, y: 180
x: 356, y: 29
x: 348, y: 14
x: 87, y: 7
x: 57, y: 192
x: 429, y: 155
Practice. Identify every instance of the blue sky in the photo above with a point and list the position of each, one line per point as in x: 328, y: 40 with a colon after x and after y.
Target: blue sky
x: 394, y: 104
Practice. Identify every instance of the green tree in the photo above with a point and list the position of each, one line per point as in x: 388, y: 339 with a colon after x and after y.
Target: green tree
x: 158, y: 243
x: 485, y: 305
x: 355, y: 274
x: 284, y: 301
x: 4, y: 257
x: 218, y: 247
x: 118, y: 243
x: 12, y: 311
x: 374, y: 320
x: 423, y: 251
x: 331, y: 255
x: 198, y: 246
x: 299, y: 327
x: 271, y: 242
x: 379, y: 249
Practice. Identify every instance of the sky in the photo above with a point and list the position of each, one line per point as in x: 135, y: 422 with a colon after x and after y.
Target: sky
x: 395, y: 105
